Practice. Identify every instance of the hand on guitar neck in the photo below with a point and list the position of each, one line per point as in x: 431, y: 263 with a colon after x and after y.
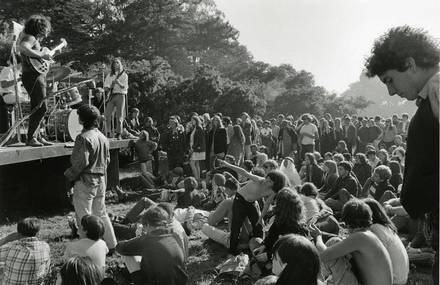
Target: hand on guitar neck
x: 42, y: 64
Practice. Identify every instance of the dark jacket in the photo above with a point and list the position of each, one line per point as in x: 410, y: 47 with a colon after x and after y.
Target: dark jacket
x: 276, y: 231
x: 421, y: 176
x: 220, y: 141
x: 362, y: 172
x: 163, y: 256
x: 315, y: 174
x: 381, y: 188
x: 199, y: 144
x: 348, y: 182
x: 327, y: 141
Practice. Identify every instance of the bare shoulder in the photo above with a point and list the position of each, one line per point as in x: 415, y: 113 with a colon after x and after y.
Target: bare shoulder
x: 25, y: 38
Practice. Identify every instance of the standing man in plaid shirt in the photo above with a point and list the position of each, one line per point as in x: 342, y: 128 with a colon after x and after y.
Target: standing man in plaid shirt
x: 24, y: 258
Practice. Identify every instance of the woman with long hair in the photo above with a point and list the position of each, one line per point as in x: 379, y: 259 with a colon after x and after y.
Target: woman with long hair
x: 197, y: 146
x: 236, y: 144
x: 396, y: 174
x: 313, y: 172
x: 385, y: 230
x: 116, y: 86
x: 327, y: 137
x: 288, y: 218
x: 330, y: 176
x: 296, y: 261
x: 217, y: 141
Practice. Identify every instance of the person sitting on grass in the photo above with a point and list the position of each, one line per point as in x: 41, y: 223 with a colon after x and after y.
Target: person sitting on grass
x: 162, y: 254
x: 385, y: 230
x: 344, y: 188
x: 295, y: 261
x: 362, y: 249
x: 288, y: 219
x: 144, y: 149
x: 80, y: 270
x: 330, y: 177
x: 316, y: 211
x: 378, y: 185
x: 23, y: 257
x: 244, y: 201
x: 217, y: 192
x: 92, y: 245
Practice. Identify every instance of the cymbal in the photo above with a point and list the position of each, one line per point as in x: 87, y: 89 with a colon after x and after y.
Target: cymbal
x: 57, y: 73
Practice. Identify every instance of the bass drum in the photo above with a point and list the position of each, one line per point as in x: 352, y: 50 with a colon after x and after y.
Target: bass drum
x: 63, y: 125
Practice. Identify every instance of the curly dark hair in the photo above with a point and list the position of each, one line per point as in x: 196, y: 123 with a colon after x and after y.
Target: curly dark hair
x: 37, y: 25
x: 392, y: 49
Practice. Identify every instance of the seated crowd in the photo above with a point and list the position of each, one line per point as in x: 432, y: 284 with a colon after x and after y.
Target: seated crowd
x: 280, y: 190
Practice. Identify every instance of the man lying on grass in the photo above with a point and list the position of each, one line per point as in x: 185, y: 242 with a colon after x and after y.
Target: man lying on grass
x: 245, y: 202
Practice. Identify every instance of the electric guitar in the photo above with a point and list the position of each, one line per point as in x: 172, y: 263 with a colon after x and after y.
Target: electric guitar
x: 42, y: 65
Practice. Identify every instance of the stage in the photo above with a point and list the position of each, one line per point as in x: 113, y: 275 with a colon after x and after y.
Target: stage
x: 32, y: 178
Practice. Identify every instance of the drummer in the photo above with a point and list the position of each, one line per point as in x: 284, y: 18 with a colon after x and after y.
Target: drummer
x: 7, y: 91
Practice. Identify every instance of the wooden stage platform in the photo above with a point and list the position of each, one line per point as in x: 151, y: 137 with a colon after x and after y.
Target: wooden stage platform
x: 32, y: 178
x: 23, y: 153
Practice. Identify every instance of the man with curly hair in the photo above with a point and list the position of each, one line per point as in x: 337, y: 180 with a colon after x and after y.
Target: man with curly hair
x: 36, y: 28
x: 407, y: 61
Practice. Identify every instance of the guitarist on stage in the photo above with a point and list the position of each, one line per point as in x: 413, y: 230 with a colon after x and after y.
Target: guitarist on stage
x: 36, y: 28
x: 116, y: 86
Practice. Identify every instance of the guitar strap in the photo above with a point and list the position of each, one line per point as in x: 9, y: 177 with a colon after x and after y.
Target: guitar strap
x: 113, y: 85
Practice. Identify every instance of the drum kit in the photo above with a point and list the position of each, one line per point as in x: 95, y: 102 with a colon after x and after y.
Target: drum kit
x: 62, y: 119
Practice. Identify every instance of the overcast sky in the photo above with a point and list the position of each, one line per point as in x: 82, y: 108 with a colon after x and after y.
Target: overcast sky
x: 329, y: 38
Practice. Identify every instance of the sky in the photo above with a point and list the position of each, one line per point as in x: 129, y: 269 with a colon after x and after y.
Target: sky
x: 329, y: 38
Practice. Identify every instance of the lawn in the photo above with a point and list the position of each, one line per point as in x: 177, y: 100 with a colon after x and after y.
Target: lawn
x: 205, y: 255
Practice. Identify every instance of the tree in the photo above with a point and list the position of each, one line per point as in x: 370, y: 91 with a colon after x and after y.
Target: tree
x: 300, y: 100
x: 238, y: 98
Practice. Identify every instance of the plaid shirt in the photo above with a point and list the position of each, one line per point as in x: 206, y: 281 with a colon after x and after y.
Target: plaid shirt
x: 26, y: 261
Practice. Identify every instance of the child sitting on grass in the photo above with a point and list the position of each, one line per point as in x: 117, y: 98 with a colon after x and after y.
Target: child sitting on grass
x: 92, y: 246
x: 144, y: 149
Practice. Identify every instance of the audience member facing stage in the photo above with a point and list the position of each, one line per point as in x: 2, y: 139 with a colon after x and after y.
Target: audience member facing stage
x: 92, y: 246
x: 365, y: 248
x: 25, y: 258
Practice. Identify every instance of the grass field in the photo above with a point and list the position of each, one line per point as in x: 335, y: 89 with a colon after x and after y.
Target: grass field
x: 205, y: 255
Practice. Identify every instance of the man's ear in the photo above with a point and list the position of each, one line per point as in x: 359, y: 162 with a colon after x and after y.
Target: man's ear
x: 410, y: 64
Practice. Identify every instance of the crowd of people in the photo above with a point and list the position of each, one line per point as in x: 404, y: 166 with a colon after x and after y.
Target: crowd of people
x: 310, y: 200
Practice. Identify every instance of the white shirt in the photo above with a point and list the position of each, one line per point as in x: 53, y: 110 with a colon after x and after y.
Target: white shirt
x: 96, y: 250
x: 7, y: 74
x: 123, y: 79
x: 310, y: 129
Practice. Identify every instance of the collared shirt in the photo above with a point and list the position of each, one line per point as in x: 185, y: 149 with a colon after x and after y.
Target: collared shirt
x: 431, y: 91
x: 26, y: 261
x: 7, y: 74
x: 90, y: 157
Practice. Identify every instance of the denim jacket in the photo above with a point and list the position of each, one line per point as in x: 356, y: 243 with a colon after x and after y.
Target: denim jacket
x: 90, y: 156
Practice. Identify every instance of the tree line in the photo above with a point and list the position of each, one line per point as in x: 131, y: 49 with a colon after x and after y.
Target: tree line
x: 181, y: 56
